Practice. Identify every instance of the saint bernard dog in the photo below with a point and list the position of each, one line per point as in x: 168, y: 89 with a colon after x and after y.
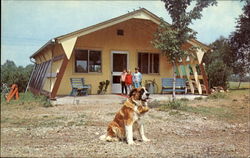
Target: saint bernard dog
x: 129, y: 118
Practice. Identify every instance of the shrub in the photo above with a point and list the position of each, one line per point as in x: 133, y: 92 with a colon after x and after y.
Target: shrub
x: 218, y: 74
x: 219, y: 63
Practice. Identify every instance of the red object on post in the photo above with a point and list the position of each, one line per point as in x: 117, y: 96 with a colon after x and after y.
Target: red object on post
x: 13, y: 92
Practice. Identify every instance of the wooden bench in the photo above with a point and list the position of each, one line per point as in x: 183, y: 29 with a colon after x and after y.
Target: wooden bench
x: 78, y: 87
x: 167, y: 85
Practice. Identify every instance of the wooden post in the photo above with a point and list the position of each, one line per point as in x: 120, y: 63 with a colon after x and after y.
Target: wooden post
x: 59, y: 77
x: 205, y: 78
x: 197, y: 82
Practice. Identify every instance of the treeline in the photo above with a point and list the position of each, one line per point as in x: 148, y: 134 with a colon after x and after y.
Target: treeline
x: 229, y: 58
x: 10, y: 74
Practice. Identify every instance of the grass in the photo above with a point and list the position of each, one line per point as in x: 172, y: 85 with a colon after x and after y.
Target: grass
x: 217, y: 96
x: 155, y: 104
x: 22, y: 112
x: 33, y: 122
x: 230, y: 106
x: 42, y: 121
x: 175, y: 107
x: 184, y: 99
x: 30, y: 111
x: 198, y: 98
x: 27, y: 99
x: 244, y: 85
x: 218, y: 112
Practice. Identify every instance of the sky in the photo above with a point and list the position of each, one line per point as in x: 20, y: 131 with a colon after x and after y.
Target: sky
x: 27, y: 25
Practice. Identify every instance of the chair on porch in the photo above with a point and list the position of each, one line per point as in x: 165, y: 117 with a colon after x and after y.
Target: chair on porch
x: 78, y: 87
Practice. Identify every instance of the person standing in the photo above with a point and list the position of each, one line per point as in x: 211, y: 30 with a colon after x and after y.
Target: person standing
x: 123, y: 77
x: 128, y: 81
x: 137, y: 78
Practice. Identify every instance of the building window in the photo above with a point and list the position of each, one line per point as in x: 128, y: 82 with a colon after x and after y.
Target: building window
x: 87, y: 61
x: 148, y: 63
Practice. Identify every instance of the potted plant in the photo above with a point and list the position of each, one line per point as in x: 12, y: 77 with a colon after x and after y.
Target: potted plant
x: 151, y: 86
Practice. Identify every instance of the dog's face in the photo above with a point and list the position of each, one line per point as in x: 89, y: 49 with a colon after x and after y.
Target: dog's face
x: 139, y: 94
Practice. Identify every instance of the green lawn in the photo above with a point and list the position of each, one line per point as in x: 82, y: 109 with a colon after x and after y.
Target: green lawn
x: 229, y: 106
x: 244, y: 85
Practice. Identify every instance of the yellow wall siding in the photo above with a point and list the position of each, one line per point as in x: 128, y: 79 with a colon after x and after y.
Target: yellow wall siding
x: 58, y: 50
x: 55, y: 67
x: 49, y: 83
x: 137, y: 37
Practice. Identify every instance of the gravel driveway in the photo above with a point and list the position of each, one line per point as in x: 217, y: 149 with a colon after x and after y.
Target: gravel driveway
x: 74, y: 130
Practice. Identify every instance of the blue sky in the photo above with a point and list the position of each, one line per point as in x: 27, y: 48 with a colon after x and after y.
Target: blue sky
x: 27, y: 25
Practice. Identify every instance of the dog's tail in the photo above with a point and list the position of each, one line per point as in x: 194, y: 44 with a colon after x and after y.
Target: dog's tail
x: 103, y: 137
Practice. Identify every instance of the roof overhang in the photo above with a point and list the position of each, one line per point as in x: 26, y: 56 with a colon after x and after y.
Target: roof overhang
x: 46, y: 45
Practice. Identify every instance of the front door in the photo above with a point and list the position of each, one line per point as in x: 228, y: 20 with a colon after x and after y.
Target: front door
x: 119, y: 63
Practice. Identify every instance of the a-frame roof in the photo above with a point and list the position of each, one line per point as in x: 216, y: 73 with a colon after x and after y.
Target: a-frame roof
x: 68, y: 40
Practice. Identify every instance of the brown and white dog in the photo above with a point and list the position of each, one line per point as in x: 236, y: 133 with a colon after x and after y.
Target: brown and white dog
x: 129, y: 118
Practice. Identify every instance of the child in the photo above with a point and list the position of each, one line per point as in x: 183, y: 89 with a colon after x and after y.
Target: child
x: 128, y: 81
x: 123, y: 77
x: 137, y: 78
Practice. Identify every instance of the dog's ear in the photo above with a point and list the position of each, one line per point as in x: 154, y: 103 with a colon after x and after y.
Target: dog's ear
x: 132, y: 92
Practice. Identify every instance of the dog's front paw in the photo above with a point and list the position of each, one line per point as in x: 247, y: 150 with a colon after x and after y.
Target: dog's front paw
x: 131, y: 142
x: 146, y: 139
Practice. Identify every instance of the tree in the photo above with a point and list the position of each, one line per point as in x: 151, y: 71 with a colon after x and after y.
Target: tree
x: 170, y: 38
x: 240, y: 43
x: 219, y: 62
x: 11, y: 74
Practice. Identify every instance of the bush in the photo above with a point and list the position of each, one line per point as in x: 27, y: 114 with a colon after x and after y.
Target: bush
x: 218, y: 74
x: 219, y: 63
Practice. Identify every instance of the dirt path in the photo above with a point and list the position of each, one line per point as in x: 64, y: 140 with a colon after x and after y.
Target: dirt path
x: 73, y: 131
